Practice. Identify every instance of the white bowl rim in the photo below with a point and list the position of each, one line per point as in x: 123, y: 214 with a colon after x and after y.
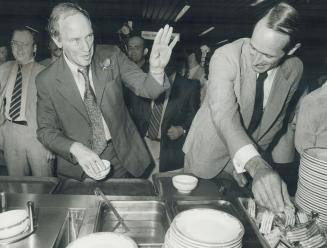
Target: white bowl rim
x: 184, y: 178
x: 21, y: 213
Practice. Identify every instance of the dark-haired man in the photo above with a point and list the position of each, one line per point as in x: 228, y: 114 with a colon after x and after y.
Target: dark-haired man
x: 136, y: 52
x: 251, y: 83
x: 81, y: 112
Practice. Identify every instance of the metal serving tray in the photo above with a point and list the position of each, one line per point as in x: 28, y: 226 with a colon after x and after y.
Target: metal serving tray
x: 250, y: 239
x: 243, y: 205
x: 124, y: 187
x: 28, y: 184
x: 165, y: 188
x: 147, y: 221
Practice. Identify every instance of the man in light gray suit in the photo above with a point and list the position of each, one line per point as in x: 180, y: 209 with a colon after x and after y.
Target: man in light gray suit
x: 24, y: 154
x: 251, y: 83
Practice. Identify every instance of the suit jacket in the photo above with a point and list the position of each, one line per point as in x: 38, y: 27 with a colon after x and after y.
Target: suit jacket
x: 62, y: 116
x: 199, y: 74
x: 183, y: 103
x: 5, y: 71
x: 218, y: 129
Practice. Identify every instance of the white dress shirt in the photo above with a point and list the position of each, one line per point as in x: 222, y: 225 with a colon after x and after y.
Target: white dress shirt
x: 26, y: 70
x: 247, y: 152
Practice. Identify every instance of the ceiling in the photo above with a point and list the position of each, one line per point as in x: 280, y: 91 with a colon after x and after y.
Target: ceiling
x: 231, y: 18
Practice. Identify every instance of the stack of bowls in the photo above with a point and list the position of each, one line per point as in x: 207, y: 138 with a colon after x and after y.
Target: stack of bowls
x: 13, y: 222
x: 204, y: 228
x: 311, y: 194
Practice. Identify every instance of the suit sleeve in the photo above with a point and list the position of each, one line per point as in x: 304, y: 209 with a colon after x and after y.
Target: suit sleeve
x: 49, y: 132
x: 142, y: 84
x: 193, y: 105
x: 223, y: 103
x: 306, y: 124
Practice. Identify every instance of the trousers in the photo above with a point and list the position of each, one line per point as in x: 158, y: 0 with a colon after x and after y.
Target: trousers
x: 24, y: 154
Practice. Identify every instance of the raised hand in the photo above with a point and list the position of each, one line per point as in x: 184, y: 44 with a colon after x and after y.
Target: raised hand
x: 161, y: 49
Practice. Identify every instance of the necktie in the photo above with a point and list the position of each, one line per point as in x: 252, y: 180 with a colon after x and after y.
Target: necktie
x: 155, y: 118
x: 99, y: 142
x: 258, y: 103
x: 16, y: 97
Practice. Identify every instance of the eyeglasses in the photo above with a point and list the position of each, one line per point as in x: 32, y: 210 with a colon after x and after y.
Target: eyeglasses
x: 15, y: 43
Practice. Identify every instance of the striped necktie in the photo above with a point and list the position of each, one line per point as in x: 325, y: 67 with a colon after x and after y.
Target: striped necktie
x: 155, y: 118
x: 99, y: 141
x: 16, y: 97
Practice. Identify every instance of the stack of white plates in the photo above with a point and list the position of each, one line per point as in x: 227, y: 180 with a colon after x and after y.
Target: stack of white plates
x: 13, y: 222
x: 311, y: 194
x: 204, y: 228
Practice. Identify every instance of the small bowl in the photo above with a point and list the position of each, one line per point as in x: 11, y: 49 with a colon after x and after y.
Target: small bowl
x: 185, y: 183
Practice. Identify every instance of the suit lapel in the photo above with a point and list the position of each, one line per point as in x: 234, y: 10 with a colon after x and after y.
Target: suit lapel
x: 248, y: 80
x: 68, y: 88
x: 170, y: 108
x: 276, y: 100
x: 100, y: 79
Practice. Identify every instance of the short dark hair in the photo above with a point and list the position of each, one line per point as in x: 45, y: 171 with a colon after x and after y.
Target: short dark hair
x: 28, y: 29
x: 133, y: 35
x: 62, y: 11
x: 176, y: 62
x: 285, y: 19
x: 193, y: 48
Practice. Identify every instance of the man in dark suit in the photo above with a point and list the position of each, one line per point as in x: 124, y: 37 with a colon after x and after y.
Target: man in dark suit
x: 81, y: 112
x: 136, y: 52
x: 177, y: 108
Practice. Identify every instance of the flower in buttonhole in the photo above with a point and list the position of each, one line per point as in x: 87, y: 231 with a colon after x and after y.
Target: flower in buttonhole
x: 105, y: 64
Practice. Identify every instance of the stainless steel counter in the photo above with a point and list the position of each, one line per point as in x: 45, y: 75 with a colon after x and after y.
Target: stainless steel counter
x: 63, y: 217
x: 33, y: 185
x: 53, y: 216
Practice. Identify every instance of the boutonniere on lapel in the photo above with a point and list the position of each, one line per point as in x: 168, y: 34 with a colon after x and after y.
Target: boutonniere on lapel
x: 107, y: 65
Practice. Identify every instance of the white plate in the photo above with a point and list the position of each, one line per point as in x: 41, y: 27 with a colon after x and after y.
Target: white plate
x: 13, y: 222
x: 316, y: 154
x: 315, y: 167
x: 104, y: 240
x: 208, y: 226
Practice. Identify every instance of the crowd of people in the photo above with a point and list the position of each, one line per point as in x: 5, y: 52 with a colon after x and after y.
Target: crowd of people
x: 157, y: 109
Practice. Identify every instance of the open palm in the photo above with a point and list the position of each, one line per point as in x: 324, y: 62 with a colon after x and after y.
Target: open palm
x: 161, y: 49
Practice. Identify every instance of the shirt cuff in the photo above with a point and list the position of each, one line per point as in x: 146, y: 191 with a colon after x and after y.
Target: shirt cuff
x: 242, y: 156
x: 158, y: 75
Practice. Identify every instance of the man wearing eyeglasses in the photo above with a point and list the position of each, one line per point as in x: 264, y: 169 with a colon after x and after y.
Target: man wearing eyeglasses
x: 24, y: 154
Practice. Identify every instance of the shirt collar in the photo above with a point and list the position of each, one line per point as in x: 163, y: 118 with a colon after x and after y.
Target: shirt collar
x: 72, y: 67
x: 30, y: 61
x: 268, y: 72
